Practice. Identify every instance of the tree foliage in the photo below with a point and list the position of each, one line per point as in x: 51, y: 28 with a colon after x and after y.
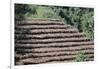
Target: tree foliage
x: 21, y: 10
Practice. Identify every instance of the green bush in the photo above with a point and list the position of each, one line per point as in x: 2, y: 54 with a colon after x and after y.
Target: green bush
x: 80, y: 57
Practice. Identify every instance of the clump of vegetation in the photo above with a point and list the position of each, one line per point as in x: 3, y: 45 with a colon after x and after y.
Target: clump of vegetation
x: 80, y: 57
x: 44, y: 12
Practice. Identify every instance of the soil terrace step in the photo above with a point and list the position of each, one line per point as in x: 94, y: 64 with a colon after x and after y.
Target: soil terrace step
x: 49, y: 40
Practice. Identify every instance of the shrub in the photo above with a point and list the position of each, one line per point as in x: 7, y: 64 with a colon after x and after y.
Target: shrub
x: 80, y: 57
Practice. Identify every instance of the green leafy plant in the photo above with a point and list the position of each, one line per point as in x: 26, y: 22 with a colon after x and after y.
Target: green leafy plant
x: 80, y: 57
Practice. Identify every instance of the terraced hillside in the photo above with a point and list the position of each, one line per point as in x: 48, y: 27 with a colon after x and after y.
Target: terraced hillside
x: 43, y: 41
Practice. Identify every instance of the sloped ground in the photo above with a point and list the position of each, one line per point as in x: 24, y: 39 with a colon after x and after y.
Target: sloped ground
x: 44, y: 41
